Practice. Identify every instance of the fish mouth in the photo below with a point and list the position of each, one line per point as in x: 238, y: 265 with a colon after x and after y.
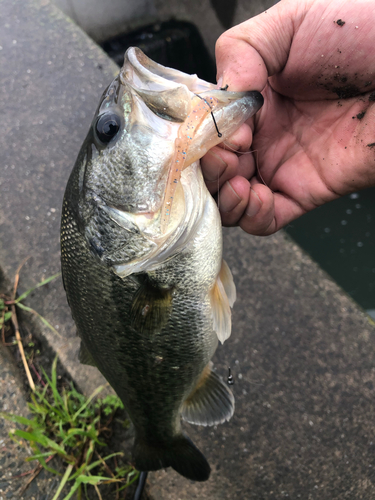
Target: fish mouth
x: 168, y: 92
x: 196, y: 114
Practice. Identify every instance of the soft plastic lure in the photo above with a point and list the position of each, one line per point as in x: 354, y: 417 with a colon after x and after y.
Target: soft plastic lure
x: 201, y: 107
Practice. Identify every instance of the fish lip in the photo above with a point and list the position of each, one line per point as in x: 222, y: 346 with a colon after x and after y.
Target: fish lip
x: 155, y: 74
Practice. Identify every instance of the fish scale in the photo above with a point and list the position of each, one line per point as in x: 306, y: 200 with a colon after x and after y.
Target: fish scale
x: 93, y: 290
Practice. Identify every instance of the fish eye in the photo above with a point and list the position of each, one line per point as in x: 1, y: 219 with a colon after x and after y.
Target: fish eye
x: 107, y: 127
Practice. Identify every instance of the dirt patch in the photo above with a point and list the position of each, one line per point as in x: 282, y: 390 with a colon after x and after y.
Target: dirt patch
x: 340, y: 22
x: 371, y: 97
x: 372, y: 145
x: 338, y: 84
x: 361, y: 115
x: 347, y: 91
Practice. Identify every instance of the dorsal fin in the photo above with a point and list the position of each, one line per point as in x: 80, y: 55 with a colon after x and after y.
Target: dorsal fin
x: 223, y: 296
x: 211, y: 401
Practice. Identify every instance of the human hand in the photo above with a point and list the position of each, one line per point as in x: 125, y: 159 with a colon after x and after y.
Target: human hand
x: 314, y: 138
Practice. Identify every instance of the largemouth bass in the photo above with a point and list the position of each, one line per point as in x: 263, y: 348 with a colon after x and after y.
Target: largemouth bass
x: 141, y: 248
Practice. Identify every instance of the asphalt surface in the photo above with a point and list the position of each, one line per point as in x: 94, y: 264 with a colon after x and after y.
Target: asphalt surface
x: 301, y: 351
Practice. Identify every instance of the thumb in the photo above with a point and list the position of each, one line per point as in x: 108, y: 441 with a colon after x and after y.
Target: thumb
x: 250, y: 52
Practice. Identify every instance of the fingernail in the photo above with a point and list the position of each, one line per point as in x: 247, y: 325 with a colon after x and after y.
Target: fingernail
x: 222, y: 165
x: 228, y: 203
x: 254, y: 204
x: 220, y: 82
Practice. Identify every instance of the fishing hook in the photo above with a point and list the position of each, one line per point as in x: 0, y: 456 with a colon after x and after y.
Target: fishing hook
x: 219, y: 134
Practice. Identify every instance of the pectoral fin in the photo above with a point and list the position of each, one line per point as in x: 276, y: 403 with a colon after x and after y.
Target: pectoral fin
x: 84, y: 356
x: 227, y: 279
x: 223, y: 296
x: 151, y: 308
x: 211, y: 401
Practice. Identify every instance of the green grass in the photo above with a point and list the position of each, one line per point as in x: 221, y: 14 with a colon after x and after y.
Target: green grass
x: 64, y: 423
x: 6, y: 303
x: 72, y: 427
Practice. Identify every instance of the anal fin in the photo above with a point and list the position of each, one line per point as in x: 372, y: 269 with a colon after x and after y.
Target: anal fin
x: 223, y: 296
x: 84, y: 356
x: 211, y: 401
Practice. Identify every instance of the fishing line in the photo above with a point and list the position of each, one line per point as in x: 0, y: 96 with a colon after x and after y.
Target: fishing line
x: 141, y: 485
x: 219, y: 134
x: 236, y: 151
x: 260, y: 175
x: 225, y: 145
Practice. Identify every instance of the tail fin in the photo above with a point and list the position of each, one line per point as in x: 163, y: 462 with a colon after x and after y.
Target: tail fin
x: 180, y: 454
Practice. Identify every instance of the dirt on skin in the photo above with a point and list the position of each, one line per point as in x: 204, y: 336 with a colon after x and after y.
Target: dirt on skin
x: 346, y: 91
x: 340, y: 83
x: 334, y: 84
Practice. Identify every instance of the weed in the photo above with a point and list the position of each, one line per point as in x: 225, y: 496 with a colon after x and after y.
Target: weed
x: 73, y: 427
x: 6, y: 303
x: 8, y: 314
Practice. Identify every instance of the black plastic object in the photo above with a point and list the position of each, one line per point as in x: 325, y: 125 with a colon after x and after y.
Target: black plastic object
x: 141, y: 485
x: 176, y: 44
